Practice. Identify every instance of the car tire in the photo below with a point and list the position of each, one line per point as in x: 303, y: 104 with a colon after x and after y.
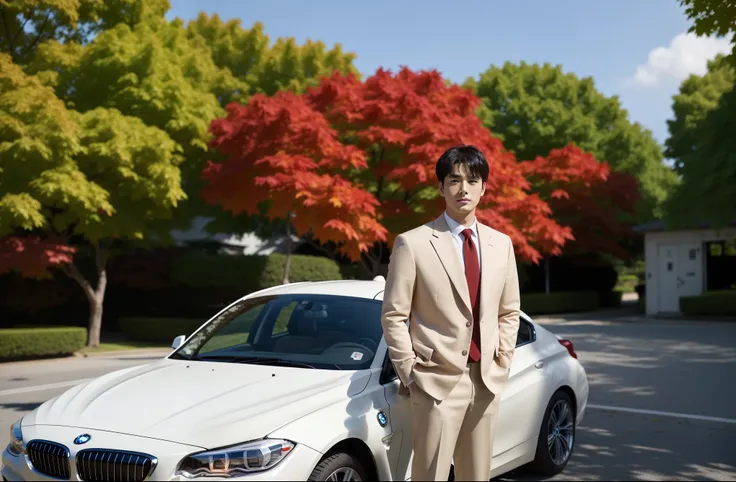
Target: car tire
x: 552, y: 459
x: 341, y: 466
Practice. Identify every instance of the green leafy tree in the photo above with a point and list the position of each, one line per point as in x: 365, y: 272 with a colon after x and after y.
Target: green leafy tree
x: 266, y: 68
x: 27, y: 24
x: 70, y: 181
x: 703, y: 145
x: 698, y: 96
x: 537, y: 108
x: 713, y: 17
x: 151, y: 71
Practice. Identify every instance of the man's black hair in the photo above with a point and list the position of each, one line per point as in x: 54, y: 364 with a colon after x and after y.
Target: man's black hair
x: 471, y: 156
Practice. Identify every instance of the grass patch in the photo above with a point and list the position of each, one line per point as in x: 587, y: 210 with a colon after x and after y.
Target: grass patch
x: 120, y: 346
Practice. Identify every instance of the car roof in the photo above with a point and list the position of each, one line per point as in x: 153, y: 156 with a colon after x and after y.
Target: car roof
x: 372, y: 289
x: 355, y: 288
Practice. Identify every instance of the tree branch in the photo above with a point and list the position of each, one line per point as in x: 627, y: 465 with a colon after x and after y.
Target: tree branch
x: 11, y: 42
x: 38, y: 37
x: 72, y: 271
x: 318, y: 246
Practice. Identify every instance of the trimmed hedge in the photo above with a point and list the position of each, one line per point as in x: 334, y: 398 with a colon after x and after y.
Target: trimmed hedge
x: 158, y: 330
x: 710, y: 303
x: 249, y: 273
x: 20, y: 343
x: 559, y: 302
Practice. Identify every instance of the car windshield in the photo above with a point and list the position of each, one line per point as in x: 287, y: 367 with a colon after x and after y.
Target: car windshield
x: 303, y: 330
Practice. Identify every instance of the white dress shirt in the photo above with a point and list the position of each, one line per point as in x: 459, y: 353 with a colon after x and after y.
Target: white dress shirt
x: 456, y: 229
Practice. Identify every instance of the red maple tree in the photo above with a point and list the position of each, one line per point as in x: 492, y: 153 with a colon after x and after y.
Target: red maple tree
x: 284, y: 157
x: 33, y: 256
x: 355, y: 161
x: 587, y: 196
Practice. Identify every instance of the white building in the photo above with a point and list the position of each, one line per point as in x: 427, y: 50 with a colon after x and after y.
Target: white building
x: 245, y: 244
x: 685, y: 262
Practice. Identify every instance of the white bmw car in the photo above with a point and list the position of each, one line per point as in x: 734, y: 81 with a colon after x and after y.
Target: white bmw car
x: 289, y: 383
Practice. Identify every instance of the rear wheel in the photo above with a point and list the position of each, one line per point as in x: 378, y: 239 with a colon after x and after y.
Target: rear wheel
x: 339, y: 466
x: 556, y: 436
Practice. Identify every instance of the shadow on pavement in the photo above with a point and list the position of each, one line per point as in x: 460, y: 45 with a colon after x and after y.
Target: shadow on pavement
x: 20, y: 407
x: 665, y: 367
x: 625, y: 447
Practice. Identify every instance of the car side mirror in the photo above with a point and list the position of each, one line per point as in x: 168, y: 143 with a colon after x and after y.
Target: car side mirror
x: 178, y: 341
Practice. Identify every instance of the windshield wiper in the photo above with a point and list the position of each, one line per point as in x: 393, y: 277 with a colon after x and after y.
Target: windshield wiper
x: 255, y: 360
x: 276, y: 361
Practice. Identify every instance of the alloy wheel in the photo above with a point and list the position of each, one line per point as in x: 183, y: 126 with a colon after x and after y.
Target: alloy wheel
x: 560, y: 435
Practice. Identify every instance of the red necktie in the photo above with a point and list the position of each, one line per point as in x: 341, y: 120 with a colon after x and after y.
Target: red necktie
x: 472, y: 276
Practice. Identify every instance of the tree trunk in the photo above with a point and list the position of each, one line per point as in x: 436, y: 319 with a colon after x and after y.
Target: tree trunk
x: 546, y: 275
x: 95, y: 321
x: 373, y: 264
x: 287, y: 262
x: 95, y: 295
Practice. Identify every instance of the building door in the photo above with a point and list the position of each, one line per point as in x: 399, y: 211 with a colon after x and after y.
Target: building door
x: 669, y: 300
x: 690, y: 272
x: 680, y: 274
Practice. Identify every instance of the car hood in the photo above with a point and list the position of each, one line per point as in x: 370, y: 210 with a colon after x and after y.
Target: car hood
x: 207, y: 404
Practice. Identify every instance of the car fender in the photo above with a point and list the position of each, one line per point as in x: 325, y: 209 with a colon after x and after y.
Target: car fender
x: 350, y: 418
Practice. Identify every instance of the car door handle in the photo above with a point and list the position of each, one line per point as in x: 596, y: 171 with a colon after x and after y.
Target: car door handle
x: 539, y: 364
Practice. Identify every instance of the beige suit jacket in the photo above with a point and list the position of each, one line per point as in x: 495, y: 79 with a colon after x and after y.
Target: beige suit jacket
x: 426, y: 285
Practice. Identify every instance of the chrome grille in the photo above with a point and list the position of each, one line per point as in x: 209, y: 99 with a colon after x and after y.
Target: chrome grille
x: 114, y: 465
x: 49, y: 458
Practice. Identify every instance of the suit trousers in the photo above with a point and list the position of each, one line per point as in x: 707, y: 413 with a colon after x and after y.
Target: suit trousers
x: 461, y: 426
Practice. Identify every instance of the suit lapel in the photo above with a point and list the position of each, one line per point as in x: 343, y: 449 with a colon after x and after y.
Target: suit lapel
x: 444, y: 246
x: 486, y: 257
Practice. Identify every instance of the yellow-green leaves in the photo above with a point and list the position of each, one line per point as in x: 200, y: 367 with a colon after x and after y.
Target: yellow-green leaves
x: 98, y: 174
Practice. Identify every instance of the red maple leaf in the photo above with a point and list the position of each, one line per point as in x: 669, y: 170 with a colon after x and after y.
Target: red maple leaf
x: 33, y: 256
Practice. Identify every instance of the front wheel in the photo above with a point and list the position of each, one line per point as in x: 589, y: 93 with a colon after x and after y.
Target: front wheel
x: 340, y: 466
x: 556, y: 436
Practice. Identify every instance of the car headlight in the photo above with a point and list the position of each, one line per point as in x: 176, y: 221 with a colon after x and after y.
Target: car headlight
x: 236, y: 460
x: 15, y: 447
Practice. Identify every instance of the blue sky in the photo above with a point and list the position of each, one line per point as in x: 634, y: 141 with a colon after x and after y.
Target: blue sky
x: 632, y: 48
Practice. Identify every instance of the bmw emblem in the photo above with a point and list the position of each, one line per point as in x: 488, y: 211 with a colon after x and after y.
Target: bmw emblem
x: 382, y: 420
x: 82, y: 439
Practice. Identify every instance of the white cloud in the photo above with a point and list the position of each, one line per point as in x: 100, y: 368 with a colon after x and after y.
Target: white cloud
x: 687, y: 54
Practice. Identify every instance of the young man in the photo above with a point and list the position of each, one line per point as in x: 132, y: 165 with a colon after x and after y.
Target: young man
x: 455, y: 281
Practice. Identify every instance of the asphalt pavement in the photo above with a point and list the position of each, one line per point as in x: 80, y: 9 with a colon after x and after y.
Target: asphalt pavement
x: 662, y: 396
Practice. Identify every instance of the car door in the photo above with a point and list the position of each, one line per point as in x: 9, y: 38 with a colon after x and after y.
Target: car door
x: 400, y: 420
x: 521, y: 399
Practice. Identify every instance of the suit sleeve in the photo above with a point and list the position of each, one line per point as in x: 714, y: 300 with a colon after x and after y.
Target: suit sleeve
x: 509, y: 309
x: 397, y: 302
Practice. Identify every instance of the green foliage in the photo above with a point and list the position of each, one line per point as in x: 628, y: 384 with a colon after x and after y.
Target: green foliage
x: 710, y: 303
x: 36, y: 133
x: 19, y: 343
x: 713, y: 17
x: 97, y: 175
x: 249, y: 273
x: 266, y: 68
x: 698, y: 96
x: 28, y: 24
x: 559, y: 302
x: 158, y: 330
x: 537, y: 108
x: 703, y: 144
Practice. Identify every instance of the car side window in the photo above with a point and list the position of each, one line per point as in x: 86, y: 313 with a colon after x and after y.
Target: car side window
x: 526, y: 333
x: 388, y: 374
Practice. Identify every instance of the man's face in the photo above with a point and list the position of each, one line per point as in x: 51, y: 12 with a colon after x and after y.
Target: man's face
x: 461, y: 191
